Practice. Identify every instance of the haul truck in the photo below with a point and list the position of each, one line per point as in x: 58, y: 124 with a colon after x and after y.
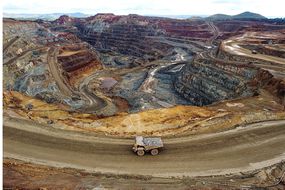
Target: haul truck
x: 147, y: 144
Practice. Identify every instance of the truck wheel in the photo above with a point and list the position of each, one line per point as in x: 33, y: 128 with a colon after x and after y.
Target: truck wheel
x: 140, y: 152
x: 154, y: 152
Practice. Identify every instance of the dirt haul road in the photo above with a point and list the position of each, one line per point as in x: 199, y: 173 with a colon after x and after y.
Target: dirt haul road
x: 233, y: 46
x: 242, y: 149
x: 56, y: 72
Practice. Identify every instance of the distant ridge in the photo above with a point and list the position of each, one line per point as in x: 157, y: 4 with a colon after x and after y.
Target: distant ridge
x: 249, y: 15
x: 245, y: 15
x: 54, y: 16
x: 219, y: 17
x: 51, y: 16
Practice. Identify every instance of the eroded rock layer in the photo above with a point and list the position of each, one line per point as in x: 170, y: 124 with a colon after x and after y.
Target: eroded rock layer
x: 76, y: 61
x: 203, y: 82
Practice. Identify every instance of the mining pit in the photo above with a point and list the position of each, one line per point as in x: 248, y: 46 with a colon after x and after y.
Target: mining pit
x: 116, y: 77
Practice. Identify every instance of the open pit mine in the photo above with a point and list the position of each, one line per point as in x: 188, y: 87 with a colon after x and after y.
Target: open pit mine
x: 77, y: 91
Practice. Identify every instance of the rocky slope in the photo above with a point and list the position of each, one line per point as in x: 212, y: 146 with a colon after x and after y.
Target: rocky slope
x: 139, y: 36
x: 76, y: 60
x: 204, y: 82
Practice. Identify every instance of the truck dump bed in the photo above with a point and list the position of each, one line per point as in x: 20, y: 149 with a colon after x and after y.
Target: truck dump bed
x: 149, y: 141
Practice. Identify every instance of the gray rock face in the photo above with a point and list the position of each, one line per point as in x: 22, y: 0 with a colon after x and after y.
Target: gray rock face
x: 128, y: 39
x: 204, y: 82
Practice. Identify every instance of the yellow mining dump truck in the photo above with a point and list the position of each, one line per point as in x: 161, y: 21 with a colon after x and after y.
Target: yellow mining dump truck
x: 147, y: 144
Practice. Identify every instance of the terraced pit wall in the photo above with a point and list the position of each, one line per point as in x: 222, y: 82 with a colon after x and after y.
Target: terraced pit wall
x: 77, y: 60
x: 139, y: 36
x: 276, y: 86
x: 204, y: 82
x: 128, y: 39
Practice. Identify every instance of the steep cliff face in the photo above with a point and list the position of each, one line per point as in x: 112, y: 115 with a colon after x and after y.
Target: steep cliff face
x: 203, y: 82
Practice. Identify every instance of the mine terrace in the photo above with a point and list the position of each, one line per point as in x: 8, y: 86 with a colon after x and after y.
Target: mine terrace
x: 115, y: 77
